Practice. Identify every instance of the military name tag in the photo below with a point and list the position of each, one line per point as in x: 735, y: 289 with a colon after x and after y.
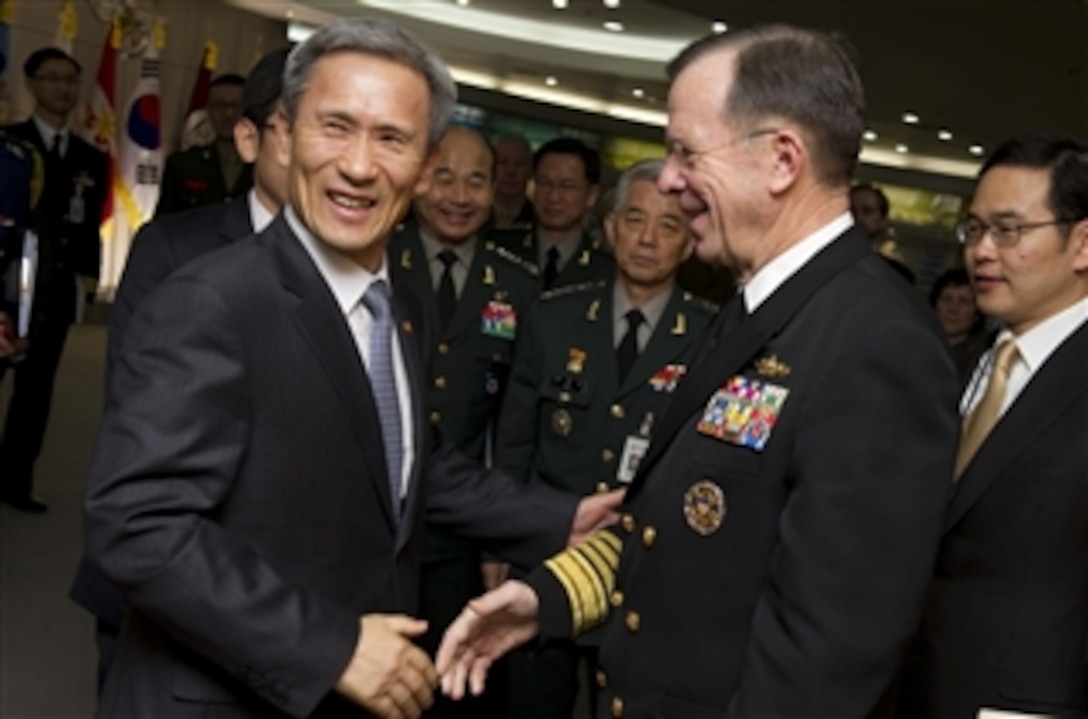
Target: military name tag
x: 499, y: 319
x: 76, y: 209
x: 704, y: 507
x: 634, y: 449
x: 743, y: 412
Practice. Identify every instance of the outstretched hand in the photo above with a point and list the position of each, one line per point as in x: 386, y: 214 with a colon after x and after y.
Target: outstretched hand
x: 487, y: 628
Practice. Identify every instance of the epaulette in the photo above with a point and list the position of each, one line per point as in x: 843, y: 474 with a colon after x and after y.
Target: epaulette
x: 567, y: 290
x: 701, y: 303
x: 513, y: 258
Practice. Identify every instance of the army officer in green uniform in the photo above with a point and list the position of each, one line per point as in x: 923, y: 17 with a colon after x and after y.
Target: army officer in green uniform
x: 474, y: 296
x: 596, y: 367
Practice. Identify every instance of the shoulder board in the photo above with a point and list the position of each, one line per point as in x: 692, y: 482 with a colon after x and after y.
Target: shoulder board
x: 512, y: 258
x: 567, y: 290
x: 700, y: 304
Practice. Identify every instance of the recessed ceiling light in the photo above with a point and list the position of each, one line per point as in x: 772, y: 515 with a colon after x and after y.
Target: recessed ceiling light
x: 910, y: 118
x: 719, y: 26
x: 976, y: 149
x: 945, y: 135
x: 462, y: 3
x: 638, y: 92
x: 869, y: 135
x: 560, y: 4
x: 901, y: 148
x: 611, y: 4
x: 551, y: 81
x: 613, y: 25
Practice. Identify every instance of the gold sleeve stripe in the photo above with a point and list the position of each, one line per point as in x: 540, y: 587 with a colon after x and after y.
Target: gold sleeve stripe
x: 587, y: 574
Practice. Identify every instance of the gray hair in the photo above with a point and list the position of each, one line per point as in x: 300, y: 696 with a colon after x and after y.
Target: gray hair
x: 380, y: 38
x: 646, y: 170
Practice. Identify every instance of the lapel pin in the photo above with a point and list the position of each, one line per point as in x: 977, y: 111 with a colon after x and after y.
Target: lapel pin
x: 680, y: 328
x: 594, y: 310
x: 489, y: 275
x: 772, y: 367
x: 406, y: 259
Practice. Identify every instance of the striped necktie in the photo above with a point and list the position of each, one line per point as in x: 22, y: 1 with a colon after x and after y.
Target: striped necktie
x: 383, y: 383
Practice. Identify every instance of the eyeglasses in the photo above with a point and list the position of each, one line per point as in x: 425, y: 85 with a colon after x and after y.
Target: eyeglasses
x: 687, y: 156
x: 1003, y: 234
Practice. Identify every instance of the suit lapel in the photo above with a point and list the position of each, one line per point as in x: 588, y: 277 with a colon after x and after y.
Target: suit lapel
x: 729, y: 354
x: 318, y: 318
x: 237, y: 222
x: 410, y: 333
x: 667, y: 342
x: 1061, y: 381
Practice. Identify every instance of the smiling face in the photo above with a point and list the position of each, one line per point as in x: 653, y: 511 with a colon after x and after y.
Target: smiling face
x: 562, y: 194
x: 458, y: 201
x: 357, y: 151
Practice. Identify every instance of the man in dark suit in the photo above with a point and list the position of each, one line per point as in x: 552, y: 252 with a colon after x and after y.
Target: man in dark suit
x: 263, y: 467
x: 167, y: 243
x: 566, y: 181
x: 780, y: 532
x: 214, y: 173
x: 67, y: 218
x: 475, y: 295
x: 595, y: 371
x: 1005, y: 623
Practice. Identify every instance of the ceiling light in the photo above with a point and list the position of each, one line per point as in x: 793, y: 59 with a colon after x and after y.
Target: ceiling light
x: 944, y: 135
x: 613, y: 25
x: 638, y: 92
x: 551, y: 81
x: 901, y: 148
x: 719, y: 26
x: 611, y: 4
x: 462, y: 3
x: 976, y: 150
x: 910, y: 118
x: 560, y: 4
x: 869, y: 135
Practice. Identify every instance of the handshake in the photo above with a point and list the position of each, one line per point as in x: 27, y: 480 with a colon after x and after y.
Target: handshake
x: 393, y: 678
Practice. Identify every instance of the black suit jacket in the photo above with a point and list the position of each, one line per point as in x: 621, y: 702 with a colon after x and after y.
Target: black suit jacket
x: 68, y: 244
x: 239, y: 497
x: 159, y: 248
x: 785, y: 580
x: 1006, y: 622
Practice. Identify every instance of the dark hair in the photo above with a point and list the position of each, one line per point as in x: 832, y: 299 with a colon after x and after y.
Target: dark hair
x: 591, y: 161
x: 797, y: 74
x: 264, y: 87
x: 1067, y: 159
x: 376, y: 37
x: 955, y: 277
x: 43, y: 55
x: 230, y: 79
x: 882, y: 203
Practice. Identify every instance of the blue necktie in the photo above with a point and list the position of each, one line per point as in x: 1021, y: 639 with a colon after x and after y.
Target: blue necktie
x: 383, y: 382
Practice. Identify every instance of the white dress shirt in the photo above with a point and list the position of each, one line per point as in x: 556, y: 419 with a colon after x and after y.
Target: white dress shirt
x: 48, y: 132
x: 259, y: 216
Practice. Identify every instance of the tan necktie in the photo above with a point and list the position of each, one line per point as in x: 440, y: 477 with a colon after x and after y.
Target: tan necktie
x: 984, y: 416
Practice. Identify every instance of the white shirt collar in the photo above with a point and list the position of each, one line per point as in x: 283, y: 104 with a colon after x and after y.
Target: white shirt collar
x: 347, y: 279
x: 1038, y: 343
x: 47, y: 132
x: 781, y: 268
x: 259, y: 215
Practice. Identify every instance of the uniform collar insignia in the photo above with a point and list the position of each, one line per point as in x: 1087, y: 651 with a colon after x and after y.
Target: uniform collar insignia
x: 772, y: 367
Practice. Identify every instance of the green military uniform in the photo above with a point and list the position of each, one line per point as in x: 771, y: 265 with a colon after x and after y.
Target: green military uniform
x: 194, y: 177
x: 470, y: 364
x: 589, y: 262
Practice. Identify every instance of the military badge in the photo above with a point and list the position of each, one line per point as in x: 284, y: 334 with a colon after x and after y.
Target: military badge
x: 489, y: 275
x: 680, y: 328
x: 704, y: 507
x: 406, y: 259
x: 772, y: 367
x: 666, y: 378
x: 743, y: 412
x: 499, y: 319
x: 562, y: 422
x: 593, y: 311
x: 576, y: 360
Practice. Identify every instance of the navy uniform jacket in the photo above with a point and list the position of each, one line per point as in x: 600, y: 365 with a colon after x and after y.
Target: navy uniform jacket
x: 780, y: 535
x: 67, y: 218
x: 588, y: 263
x: 193, y: 177
x: 21, y: 182
x: 1006, y: 622
x: 566, y: 418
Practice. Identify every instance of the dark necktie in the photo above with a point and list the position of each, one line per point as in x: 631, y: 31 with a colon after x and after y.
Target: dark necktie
x: 54, y: 149
x: 627, y: 352
x: 447, y: 293
x: 383, y: 383
x: 551, y: 269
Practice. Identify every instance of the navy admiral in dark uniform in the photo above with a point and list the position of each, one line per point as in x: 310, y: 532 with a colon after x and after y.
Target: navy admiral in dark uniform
x: 780, y: 532
x: 595, y: 371
x: 475, y: 296
x: 566, y: 181
x: 67, y: 220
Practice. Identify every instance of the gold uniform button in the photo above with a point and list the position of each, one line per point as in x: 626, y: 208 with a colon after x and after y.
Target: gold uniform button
x: 628, y: 523
x: 617, y: 707
x: 443, y: 348
x: 616, y: 599
x: 633, y: 621
x: 602, y: 487
x: 649, y: 536
x: 436, y: 417
x: 602, y: 680
x: 617, y: 411
x: 440, y: 382
x: 608, y: 455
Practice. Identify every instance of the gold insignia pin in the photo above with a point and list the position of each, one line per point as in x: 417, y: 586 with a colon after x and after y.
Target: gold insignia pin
x: 681, y: 327
x: 407, y: 327
x: 562, y: 422
x: 576, y: 360
x: 593, y: 311
x: 406, y: 259
x: 489, y: 275
x: 584, y: 259
x: 772, y: 367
